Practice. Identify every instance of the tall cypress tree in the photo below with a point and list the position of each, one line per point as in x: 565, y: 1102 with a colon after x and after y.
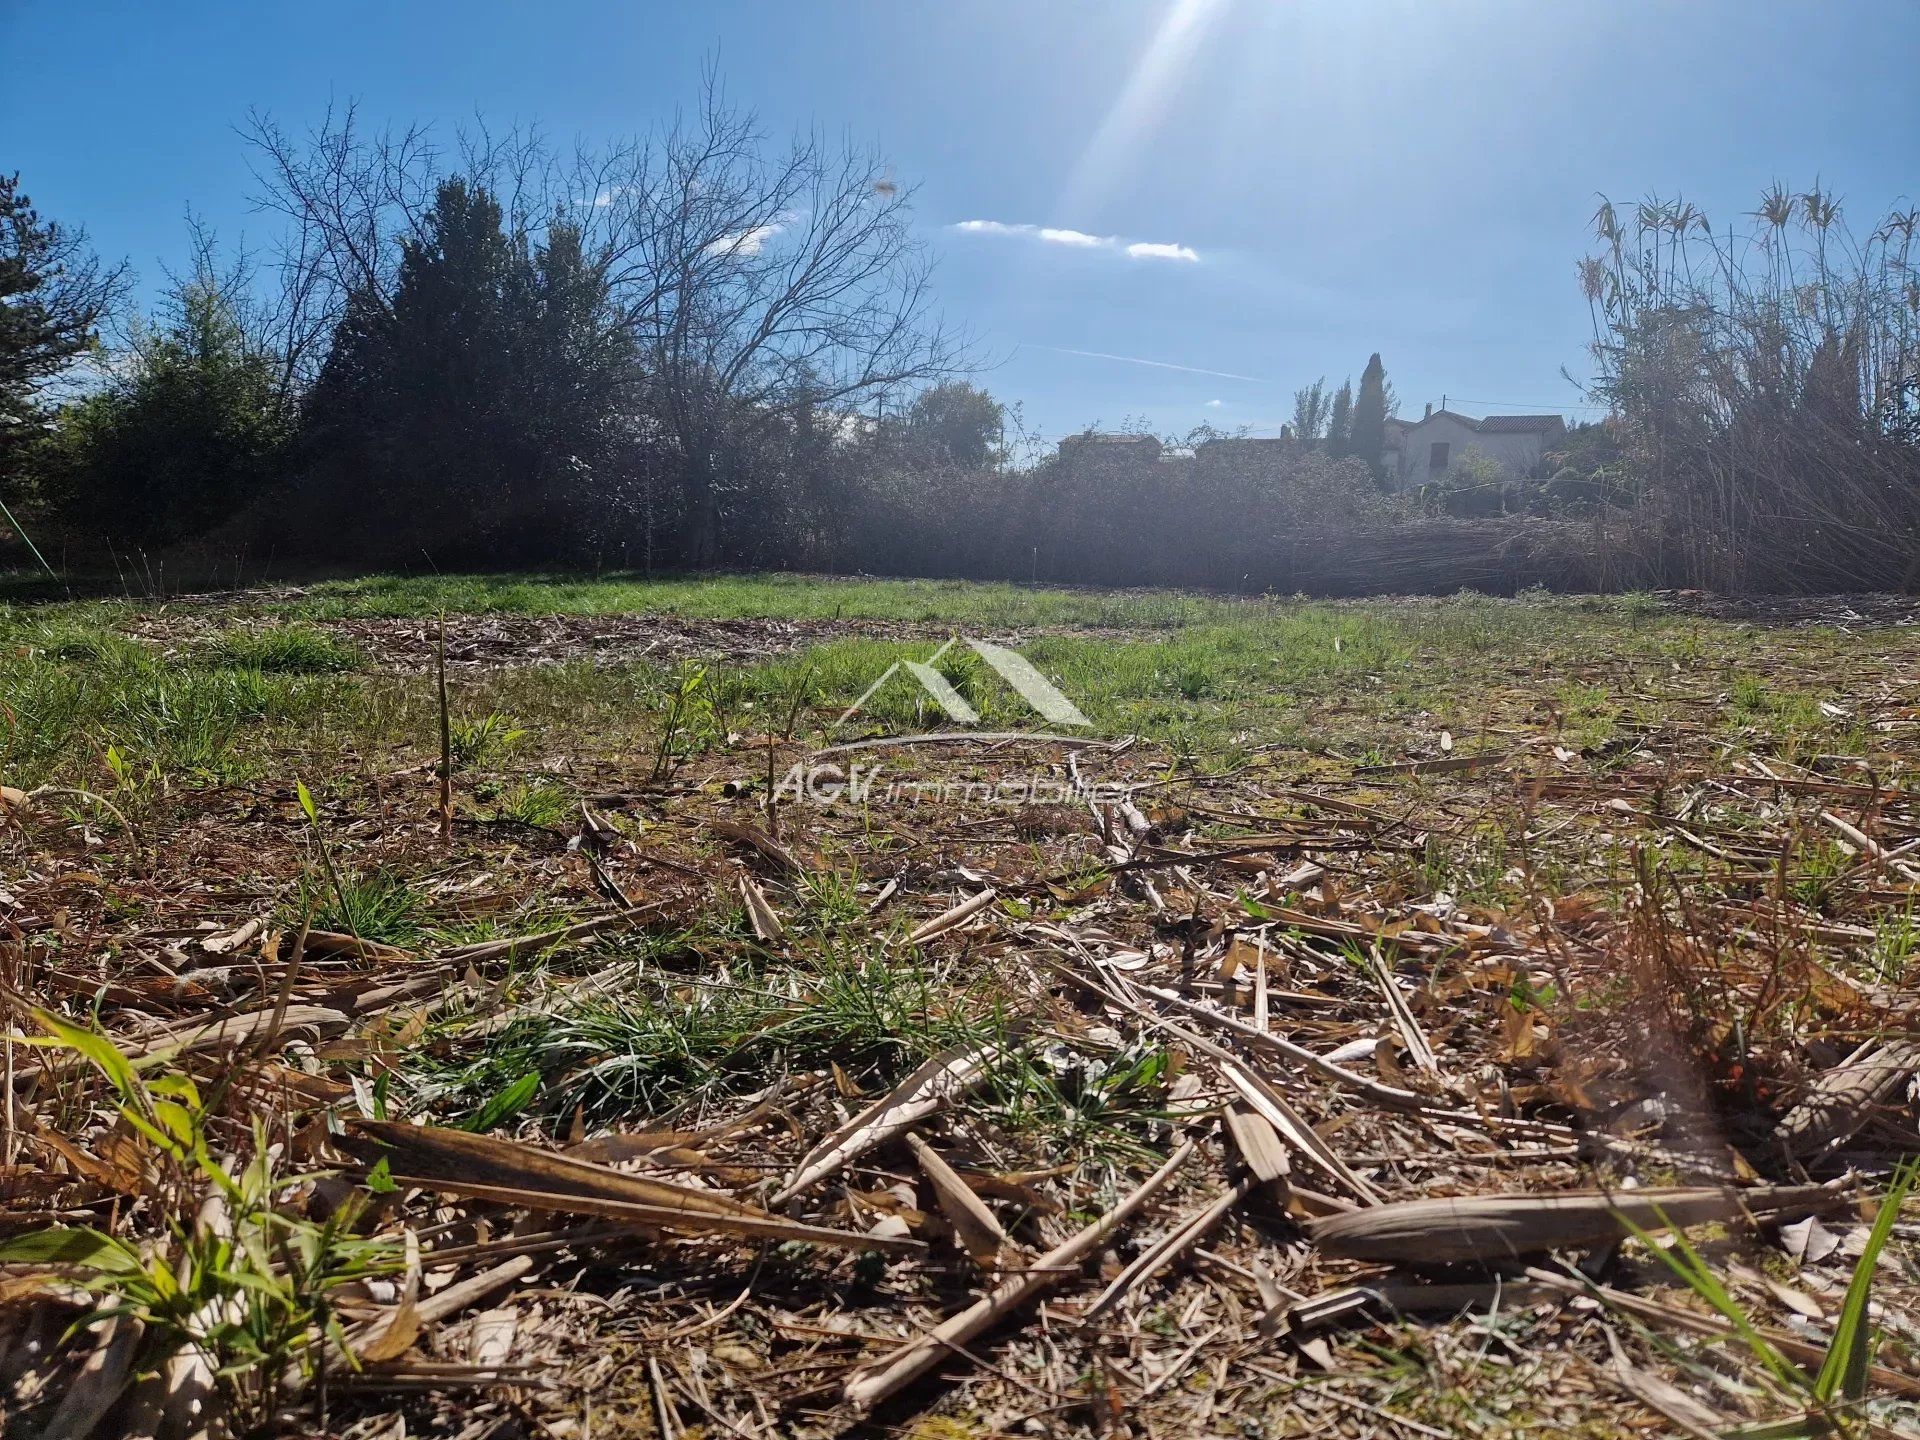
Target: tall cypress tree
x: 1367, y: 434
x: 411, y: 401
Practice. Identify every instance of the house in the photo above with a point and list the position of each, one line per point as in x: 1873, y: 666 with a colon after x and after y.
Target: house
x: 1111, y: 443
x: 1420, y: 452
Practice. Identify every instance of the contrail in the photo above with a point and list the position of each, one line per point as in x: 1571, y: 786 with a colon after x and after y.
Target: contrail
x: 1156, y: 364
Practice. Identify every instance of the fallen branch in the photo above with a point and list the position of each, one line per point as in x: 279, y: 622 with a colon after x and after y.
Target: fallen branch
x: 480, y: 1167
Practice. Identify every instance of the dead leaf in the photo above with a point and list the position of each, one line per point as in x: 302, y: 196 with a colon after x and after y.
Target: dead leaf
x: 1502, y: 1227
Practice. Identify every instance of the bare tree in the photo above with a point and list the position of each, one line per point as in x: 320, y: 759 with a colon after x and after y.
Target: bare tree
x: 350, y: 198
x: 759, y: 286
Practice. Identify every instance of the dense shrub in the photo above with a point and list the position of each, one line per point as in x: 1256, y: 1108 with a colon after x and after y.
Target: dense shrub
x: 681, y: 374
x: 1105, y: 516
x: 191, y: 427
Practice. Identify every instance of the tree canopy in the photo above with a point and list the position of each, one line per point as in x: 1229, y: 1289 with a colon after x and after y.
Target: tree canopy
x: 958, y: 424
x: 54, y: 294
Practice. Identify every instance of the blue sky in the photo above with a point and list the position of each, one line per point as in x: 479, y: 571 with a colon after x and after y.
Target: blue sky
x: 1312, y: 181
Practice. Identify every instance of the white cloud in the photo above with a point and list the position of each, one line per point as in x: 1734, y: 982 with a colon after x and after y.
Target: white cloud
x: 1146, y: 250
x: 1081, y: 240
x: 1075, y: 237
x: 1215, y: 404
x: 747, y: 242
x: 604, y: 198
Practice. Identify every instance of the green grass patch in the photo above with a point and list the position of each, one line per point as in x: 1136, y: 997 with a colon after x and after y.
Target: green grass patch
x: 660, y: 1040
x: 375, y: 904
x: 282, y: 649
x: 62, y: 717
x: 791, y: 597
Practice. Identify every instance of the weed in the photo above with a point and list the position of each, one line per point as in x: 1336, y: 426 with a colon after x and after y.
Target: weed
x: 375, y: 905
x: 665, y: 1042
x: 688, y: 720
x: 1842, y: 1377
x: 184, y: 720
x: 614, y: 1057
x: 538, y: 802
x: 473, y: 743
x: 1103, y: 1109
x: 1821, y: 866
x: 1895, y: 943
x: 282, y: 649
x: 1194, y: 680
x: 832, y: 899
x: 239, y: 1278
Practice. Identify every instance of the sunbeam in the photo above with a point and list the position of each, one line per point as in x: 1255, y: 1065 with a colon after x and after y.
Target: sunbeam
x: 1166, y: 59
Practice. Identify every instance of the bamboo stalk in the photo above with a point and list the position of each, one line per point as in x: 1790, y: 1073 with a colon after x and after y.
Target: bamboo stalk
x: 918, y: 1356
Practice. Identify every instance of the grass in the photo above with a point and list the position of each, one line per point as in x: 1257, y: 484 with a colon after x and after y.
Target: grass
x: 89, y: 702
x: 376, y: 904
x: 282, y: 649
x: 1840, y: 1384
x: 787, y: 597
x: 1649, y: 834
x: 63, y: 715
x: 476, y: 742
x: 1213, y: 679
x: 538, y: 802
x: 1104, y: 1108
x: 959, y: 603
x: 664, y: 1042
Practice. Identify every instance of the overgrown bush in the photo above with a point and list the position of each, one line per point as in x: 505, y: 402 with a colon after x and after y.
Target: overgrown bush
x: 1766, y: 380
x: 190, y: 427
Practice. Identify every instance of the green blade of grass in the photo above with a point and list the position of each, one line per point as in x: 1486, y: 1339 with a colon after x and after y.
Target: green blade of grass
x: 1695, y: 1273
x: 1844, y: 1372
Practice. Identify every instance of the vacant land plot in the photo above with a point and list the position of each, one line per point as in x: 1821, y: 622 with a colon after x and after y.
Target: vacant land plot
x: 634, y: 1042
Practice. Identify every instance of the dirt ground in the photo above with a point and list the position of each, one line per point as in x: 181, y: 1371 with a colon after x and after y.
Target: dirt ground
x: 1286, y: 1092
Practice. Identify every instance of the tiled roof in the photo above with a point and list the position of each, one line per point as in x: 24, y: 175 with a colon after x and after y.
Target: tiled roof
x: 1520, y: 425
x: 1499, y: 424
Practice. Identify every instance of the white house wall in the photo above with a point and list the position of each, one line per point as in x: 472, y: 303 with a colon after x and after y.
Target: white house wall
x: 1517, y: 453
